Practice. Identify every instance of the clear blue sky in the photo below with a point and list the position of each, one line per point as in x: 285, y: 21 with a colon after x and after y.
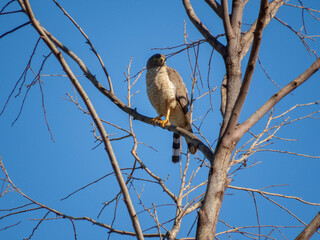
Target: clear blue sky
x: 119, y: 30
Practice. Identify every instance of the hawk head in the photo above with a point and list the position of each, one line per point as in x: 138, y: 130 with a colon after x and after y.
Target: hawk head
x: 157, y: 60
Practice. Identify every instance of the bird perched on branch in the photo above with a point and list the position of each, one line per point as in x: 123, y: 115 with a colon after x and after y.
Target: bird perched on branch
x: 169, y: 97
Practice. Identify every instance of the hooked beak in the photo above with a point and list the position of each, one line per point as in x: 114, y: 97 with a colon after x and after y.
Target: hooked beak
x: 162, y: 60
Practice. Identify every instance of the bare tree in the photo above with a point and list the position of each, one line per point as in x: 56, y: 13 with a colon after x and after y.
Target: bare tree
x: 228, y: 153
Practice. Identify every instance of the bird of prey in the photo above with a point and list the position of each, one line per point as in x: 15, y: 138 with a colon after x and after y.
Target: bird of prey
x: 169, y: 97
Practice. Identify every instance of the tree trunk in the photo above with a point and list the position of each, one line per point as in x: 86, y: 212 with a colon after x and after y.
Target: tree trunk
x: 310, y: 229
x: 217, y: 184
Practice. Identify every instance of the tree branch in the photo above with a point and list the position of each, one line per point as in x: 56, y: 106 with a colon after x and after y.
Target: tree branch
x: 254, y: 118
x: 202, y: 29
x: 226, y: 20
x: 11, y: 31
x: 215, y: 6
x: 273, y: 194
x: 236, y: 17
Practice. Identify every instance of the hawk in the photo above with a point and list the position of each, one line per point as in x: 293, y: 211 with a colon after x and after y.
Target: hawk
x: 169, y: 97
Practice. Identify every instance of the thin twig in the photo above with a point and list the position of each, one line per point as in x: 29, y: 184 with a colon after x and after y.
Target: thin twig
x: 15, y: 29
x: 36, y: 227
x: 273, y: 194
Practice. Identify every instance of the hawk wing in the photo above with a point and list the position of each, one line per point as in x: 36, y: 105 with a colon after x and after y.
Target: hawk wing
x: 181, y: 90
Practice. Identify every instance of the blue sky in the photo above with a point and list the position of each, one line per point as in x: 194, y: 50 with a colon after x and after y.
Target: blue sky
x: 119, y: 30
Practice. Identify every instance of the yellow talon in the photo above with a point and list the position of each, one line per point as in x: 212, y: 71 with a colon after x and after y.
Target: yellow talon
x: 156, y: 119
x: 163, y: 122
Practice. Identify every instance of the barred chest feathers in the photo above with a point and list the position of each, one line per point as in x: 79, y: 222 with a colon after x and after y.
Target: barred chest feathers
x: 161, y: 91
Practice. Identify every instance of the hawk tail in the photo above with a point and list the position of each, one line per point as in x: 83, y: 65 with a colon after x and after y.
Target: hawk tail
x: 176, y: 145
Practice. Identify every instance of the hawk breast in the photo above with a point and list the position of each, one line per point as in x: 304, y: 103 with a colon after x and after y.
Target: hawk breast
x: 161, y: 91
